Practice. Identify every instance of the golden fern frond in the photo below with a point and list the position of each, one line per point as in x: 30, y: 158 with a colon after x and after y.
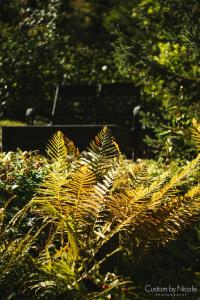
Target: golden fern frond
x: 99, y: 195
x: 52, y: 204
x: 128, y: 202
x: 78, y: 192
x: 62, y: 200
x: 119, y: 206
x: 120, y: 226
x: 51, y: 198
x: 175, y: 215
x: 145, y: 193
x: 130, y: 206
x: 103, y: 145
x: 193, y: 192
x: 101, y: 152
x: 178, y: 213
x: 195, y: 130
x: 17, y: 249
x: 56, y: 148
x: 172, y: 187
x: 71, y: 149
x: 124, y: 216
x: 139, y: 174
x: 61, y: 151
x: 117, y: 175
x: 135, y: 208
x: 67, y: 201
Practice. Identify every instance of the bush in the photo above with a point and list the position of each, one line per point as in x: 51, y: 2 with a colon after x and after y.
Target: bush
x: 95, y: 222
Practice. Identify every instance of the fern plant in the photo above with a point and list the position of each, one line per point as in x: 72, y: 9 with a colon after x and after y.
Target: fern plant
x: 195, y: 130
x: 94, y: 204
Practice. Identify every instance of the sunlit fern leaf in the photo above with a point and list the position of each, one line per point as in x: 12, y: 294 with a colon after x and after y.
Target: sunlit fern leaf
x: 51, y: 198
x: 51, y: 203
x: 65, y: 199
x: 78, y: 192
x: 61, y: 151
x: 178, y: 213
x: 175, y: 215
x: 119, y: 173
x: 130, y: 216
x: 71, y: 149
x: 103, y: 144
x: 156, y: 214
x: 120, y: 226
x: 159, y: 226
x: 139, y: 174
x: 101, y: 195
x: 72, y: 203
x: 195, y: 130
x: 102, y: 151
x: 193, y: 192
x: 119, y: 206
x: 56, y: 148
x: 171, y: 187
x: 58, y: 197
x: 144, y: 193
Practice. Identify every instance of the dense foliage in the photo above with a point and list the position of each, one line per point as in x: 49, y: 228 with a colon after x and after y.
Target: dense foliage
x: 93, y: 225
x: 153, y: 44
x: 161, y: 53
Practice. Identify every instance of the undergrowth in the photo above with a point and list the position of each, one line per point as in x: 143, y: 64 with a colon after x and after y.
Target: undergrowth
x: 92, y: 220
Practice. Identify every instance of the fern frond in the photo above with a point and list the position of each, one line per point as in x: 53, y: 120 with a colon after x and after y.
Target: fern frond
x: 101, y: 152
x: 56, y: 148
x: 103, y: 145
x: 139, y: 174
x: 61, y: 152
x: 52, y: 203
x: 171, y: 187
x: 78, y: 192
x: 102, y: 222
x: 178, y: 213
x: 193, y: 192
x: 70, y: 147
x: 59, y: 198
x: 156, y: 214
x: 145, y: 193
x: 50, y: 200
x: 17, y: 250
x: 195, y: 130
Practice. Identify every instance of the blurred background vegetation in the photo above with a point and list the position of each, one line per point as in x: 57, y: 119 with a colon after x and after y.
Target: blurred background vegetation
x: 153, y: 43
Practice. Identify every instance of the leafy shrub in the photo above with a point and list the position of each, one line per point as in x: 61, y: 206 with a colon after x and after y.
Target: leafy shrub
x: 20, y: 174
x: 89, y: 209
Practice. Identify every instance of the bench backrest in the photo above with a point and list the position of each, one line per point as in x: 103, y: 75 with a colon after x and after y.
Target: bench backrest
x: 75, y: 105
x: 95, y: 104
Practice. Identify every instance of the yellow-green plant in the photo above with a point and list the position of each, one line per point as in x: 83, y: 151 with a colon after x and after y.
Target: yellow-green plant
x: 196, y: 132
x: 97, y: 200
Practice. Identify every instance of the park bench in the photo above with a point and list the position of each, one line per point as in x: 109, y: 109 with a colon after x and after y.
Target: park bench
x: 95, y: 104
x: 80, y: 112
